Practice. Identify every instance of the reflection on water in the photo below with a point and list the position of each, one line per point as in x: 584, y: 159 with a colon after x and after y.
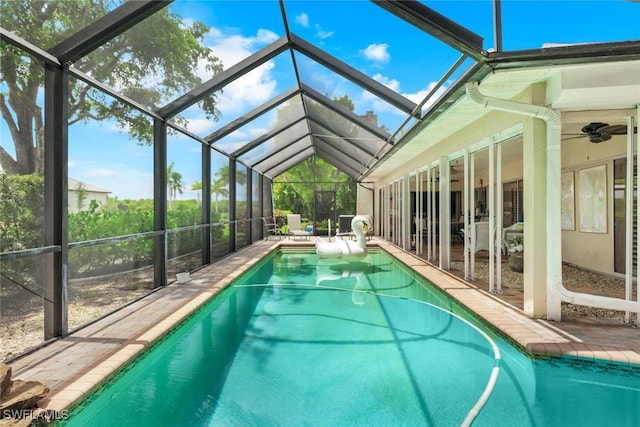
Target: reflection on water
x: 291, y: 344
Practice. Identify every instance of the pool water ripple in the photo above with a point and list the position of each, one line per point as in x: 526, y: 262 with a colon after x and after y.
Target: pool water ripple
x: 288, y: 346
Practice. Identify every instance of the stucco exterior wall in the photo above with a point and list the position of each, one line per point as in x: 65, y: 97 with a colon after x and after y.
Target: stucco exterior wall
x: 591, y: 250
x: 365, y: 200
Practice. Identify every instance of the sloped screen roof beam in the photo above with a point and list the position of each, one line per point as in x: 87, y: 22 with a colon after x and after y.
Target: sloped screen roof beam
x: 9, y: 37
x: 336, y: 163
x: 353, y: 75
x: 282, y: 167
x: 224, y: 78
x: 291, y: 155
x: 265, y: 137
x: 256, y: 112
x: 104, y: 88
x: 284, y: 147
x: 341, y: 110
x: 105, y: 28
x: 330, y: 147
x: 342, y: 139
x: 439, y: 26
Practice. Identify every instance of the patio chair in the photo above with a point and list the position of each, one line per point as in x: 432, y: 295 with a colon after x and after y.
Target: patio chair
x: 369, y: 234
x: 295, y: 227
x: 482, y: 236
x: 270, y: 228
x: 424, y: 233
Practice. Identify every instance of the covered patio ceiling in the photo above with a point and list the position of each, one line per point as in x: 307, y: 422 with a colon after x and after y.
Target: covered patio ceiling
x: 306, y: 122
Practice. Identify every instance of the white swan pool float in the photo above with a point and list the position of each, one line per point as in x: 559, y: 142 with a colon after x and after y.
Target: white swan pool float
x: 346, y: 249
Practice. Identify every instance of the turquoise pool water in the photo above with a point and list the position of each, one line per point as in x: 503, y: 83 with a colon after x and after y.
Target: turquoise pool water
x: 296, y: 342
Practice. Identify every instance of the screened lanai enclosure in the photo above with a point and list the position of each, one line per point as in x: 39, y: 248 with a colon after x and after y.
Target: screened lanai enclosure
x: 141, y: 139
x: 129, y: 152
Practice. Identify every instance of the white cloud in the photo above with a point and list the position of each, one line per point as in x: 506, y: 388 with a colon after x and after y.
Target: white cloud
x: 199, y: 126
x: 231, y: 47
x: 419, y: 96
x: 256, y: 132
x: 241, y: 137
x: 323, y: 34
x: 392, y: 84
x: 377, y: 52
x: 302, y: 19
x: 250, y: 90
x: 265, y: 37
x: 253, y: 88
x: 380, y: 106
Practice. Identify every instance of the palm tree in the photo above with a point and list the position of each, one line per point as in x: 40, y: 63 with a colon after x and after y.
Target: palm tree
x: 223, y: 174
x: 197, y: 186
x: 174, y: 183
x: 219, y: 188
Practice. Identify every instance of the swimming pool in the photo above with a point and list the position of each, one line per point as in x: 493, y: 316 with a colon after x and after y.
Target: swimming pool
x: 297, y: 342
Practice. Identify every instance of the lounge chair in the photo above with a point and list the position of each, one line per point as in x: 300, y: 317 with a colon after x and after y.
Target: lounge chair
x: 295, y: 227
x: 344, y: 227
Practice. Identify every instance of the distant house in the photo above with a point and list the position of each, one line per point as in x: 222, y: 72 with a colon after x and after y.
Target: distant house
x: 80, y: 194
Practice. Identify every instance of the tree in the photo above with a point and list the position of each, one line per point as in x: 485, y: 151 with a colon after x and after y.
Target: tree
x: 223, y: 174
x: 197, y: 186
x: 163, y: 48
x: 219, y: 188
x: 81, y: 191
x: 295, y: 189
x: 174, y: 183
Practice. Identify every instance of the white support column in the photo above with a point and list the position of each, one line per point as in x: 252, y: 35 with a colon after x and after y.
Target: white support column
x: 472, y: 218
x: 499, y: 218
x: 536, y: 218
x: 406, y: 217
x: 637, y: 214
x: 466, y: 211
x: 386, y: 214
x: 491, y: 203
x: 392, y: 214
x: 394, y: 210
x: 428, y: 213
x: 418, y: 214
x: 433, y: 217
x: 628, y: 287
x: 445, y: 214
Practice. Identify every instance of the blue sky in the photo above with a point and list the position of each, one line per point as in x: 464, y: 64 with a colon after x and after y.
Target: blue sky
x: 357, y: 32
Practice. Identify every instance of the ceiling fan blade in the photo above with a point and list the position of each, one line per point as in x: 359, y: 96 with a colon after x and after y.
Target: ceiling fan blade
x: 574, y: 137
x: 600, y: 138
x: 593, y: 126
x: 616, y: 129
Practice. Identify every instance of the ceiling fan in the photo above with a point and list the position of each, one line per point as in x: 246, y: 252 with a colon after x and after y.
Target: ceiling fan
x: 600, y: 132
